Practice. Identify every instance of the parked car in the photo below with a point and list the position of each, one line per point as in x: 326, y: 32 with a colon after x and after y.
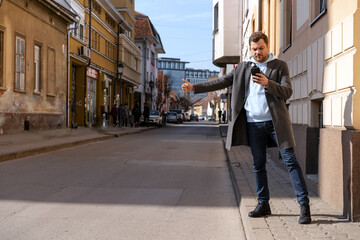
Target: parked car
x: 155, y: 118
x: 202, y: 117
x: 172, y: 117
x: 179, y: 114
x: 211, y: 118
x: 194, y: 117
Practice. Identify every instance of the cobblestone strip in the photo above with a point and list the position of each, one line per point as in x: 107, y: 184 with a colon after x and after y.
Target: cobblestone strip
x: 282, y: 224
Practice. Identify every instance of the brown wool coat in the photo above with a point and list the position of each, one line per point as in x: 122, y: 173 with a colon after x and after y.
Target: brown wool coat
x: 278, y: 91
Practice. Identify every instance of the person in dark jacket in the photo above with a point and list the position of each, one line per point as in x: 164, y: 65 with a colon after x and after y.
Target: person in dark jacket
x: 146, y: 115
x: 260, y: 89
x: 114, y: 114
x: 136, y: 112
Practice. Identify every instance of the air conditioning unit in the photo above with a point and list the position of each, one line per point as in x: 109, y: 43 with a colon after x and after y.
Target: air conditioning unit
x: 84, y: 51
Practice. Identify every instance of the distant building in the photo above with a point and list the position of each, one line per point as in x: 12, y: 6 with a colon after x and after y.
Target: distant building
x: 149, y: 42
x: 195, y: 76
x: 175, y: 69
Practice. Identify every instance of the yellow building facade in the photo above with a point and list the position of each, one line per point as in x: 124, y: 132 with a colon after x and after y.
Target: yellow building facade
x: 97, y: 50
x: 33, y: 69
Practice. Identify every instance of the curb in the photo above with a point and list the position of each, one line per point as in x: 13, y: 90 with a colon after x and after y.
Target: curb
x: 249, y: 234
x: 242, y: 202
x: 70, y: 144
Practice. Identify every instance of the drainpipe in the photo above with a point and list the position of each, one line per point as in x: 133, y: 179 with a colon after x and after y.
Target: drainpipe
x: 260, y: 15
x: 89, y: 62
x: 117, y: 64
x: 67, y: 74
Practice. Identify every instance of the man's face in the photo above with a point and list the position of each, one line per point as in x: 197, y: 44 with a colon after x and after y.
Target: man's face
x: 259, y: 50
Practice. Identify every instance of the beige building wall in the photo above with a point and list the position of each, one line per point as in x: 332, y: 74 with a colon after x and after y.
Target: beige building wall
x: 36, y: 24
x: 322, y: 61
x: 321, y: 50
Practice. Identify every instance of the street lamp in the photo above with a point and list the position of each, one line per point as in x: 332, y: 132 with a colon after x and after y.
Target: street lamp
x: 120, y: 70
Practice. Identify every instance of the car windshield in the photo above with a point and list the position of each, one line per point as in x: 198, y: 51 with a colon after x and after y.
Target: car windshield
x: 172, y: 113
x: 178, y: 111
x: 154, y: 112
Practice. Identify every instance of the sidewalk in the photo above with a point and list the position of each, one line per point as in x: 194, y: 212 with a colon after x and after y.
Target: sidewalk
x: 24, y: 144
x: 327, y: 223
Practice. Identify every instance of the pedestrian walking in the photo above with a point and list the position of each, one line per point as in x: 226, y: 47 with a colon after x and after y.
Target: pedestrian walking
x: 219, y: 115
x: 224, y: 116
x: 127, y: 114
x: 121, y: 115
x: 136, y: 112
x: 261, y: 87
x: 163, y: 115
x: 114, y: 114
x: 146, y: 115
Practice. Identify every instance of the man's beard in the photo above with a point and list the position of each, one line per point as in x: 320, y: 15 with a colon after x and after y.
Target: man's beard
x: 260, y: 58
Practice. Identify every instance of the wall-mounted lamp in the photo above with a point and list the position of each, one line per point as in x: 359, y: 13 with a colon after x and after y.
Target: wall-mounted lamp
x: 120, y: 69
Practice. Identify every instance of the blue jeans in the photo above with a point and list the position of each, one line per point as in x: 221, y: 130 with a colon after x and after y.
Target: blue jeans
x: 258, y: 132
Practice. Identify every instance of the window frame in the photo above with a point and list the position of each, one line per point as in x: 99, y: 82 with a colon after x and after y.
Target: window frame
x: 51, y: 89
x: 321, y: 12
x: 287, y: 24
x: 38, y: 81
x: 20, y: 86
x: 216, y: 18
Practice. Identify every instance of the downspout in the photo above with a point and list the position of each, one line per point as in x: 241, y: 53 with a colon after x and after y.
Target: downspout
x: 117, y: 63
x: 142, y: 104
x: 68, y: 77
x: 89, y: 62
x: 260, y: 15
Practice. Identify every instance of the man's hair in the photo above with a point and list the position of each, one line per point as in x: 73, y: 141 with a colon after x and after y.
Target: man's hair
x: 256, y: 36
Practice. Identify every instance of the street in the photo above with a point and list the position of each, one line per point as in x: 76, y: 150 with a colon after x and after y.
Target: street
x: 166, y: 183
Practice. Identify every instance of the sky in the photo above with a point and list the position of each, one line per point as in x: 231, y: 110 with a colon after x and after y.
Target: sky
x: 185, y: 29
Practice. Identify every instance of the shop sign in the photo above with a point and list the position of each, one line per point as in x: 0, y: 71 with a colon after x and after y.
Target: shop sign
x: 92, y: 73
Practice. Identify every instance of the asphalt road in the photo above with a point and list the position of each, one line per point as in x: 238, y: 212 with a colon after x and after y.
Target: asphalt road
x: 167, y: 183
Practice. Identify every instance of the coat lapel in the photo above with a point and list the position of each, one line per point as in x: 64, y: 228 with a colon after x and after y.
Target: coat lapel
x: 270, y: 66
x: 247, y: 79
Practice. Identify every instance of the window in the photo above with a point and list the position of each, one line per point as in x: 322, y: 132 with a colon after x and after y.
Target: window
x: 246, y: 9
x: 110, y: 21
x: 51, y: 81
x: 73, y: 29
x: 96, y: 7
x: 286, y: 23
x: 81, y: 32
x: 37, y: 68
x: 216, y: 18
x: 152, y: 58
x: 95, y: 40
x: 1, y: 58
x: 320, y: 8
x: 20, y: 64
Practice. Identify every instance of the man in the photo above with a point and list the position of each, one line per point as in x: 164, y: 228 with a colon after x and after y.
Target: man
x: 146, y: 114
x: 260, y: 118
x: 219, y: 115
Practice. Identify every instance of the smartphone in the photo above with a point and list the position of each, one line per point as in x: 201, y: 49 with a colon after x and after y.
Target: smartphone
x: 255, y: 70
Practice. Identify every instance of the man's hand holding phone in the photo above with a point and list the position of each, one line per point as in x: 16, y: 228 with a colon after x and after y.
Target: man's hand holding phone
x: 258, y: 77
